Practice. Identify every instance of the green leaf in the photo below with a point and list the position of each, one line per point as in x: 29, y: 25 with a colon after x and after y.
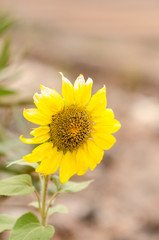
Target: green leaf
x: 22, y: 162
x: 6, y: 222
x: 28, y: 227
x: 34, y: 204
x: 5, y: 91
x: 5, y: 55
x: 70, y: 186
x: 17, y: 185
x: 57, y: 209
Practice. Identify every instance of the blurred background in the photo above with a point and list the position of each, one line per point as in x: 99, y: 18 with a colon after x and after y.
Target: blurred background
x: 116, y: 43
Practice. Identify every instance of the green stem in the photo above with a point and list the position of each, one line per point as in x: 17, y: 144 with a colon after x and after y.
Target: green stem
x: 40, y: 178
x: 44, y: 193
x: 38, y: 198
x: 50, y: 203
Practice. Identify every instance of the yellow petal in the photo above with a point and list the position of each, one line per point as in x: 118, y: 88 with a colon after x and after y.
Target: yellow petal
x: 82, y: 90
x: 79, y: 82
x: 96, y: 153
x: 67, y: 90
x: 107, y: 127
x: 52, y: 98
x: 97, y: 103
x: 40, y: 131
x: 82, y: 161
x: 79, y: 86
x: 91, y: 162
x: 51, y: 162
x: 46, y: 105
x: 48, y: 92
x: 103, y: 140
x: 35, y: 140
x: 54, y: 163
x: 30, y: 158
x: 42, y: 149
x: 105, y: 116
x: 38, y: 153
x: 41, y: 102
x: 67, y: 166
x: 35, y: 116
x: 88, y: 89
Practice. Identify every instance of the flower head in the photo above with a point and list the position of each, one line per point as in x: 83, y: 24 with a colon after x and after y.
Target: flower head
x: 75, y: 129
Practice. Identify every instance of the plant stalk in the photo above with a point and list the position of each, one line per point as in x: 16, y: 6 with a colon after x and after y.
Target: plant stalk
x: 50, y: 203
x: 38, y: 198
x: 44, y: 194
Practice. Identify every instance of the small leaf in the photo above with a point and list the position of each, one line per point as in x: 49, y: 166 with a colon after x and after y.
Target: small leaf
x: 70, y: 186
x: 57, y: 209
x: 5, y: 55
x: 22, y: 162
x: 28, y: 227
x: 17, y: 185
x: 52, y: 190
x: 4, y: 92
x: 34, y: 204
x: 6, y: 222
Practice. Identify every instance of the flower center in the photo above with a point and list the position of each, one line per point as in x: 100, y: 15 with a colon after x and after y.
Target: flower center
x: 70, y: 128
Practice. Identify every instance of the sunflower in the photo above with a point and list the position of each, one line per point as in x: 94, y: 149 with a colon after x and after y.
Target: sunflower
x: 74, y: 129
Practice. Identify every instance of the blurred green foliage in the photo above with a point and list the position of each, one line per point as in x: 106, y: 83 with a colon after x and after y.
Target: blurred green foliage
x: 5, y: 22
x: 5, y: 53
x: 10, y: 120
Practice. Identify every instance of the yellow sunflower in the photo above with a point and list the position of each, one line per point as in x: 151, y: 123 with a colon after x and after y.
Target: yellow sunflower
x: 75, y: 129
